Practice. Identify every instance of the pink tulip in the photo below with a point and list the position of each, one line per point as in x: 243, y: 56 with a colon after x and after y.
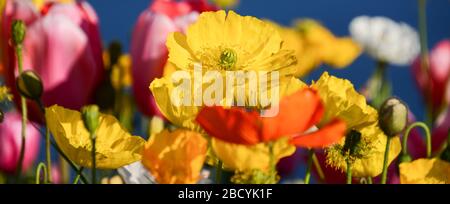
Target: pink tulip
x: 441, y: 131
x: 148, y: 46
x: 436, y: 81
x: 62, y: 45
x: 11, y: 140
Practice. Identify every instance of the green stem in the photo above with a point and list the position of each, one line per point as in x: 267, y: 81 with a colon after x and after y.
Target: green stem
x: 272, y: 164
x: 38, y: 173
x: 219, y: 171
x: 47, y: 143
x: 318, y: 167
x: 385, y: 162
x: 308, y: 168
x: 77, y: 178
x: 349, y: 170
x: 423, y: 34
x: 94, y: 169
x: 407, y: 133
x: 380, y: 84
x: 369, y: 180
x: 18, y: 49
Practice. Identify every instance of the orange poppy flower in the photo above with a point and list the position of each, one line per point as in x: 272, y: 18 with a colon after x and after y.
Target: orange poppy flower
x: 297, y: 114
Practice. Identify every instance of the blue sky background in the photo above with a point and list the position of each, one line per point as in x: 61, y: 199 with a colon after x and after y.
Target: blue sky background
x: 117, y: 18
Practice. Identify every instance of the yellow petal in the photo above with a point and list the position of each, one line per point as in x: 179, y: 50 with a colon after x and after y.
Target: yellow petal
x: 115, y: 147
x: 244, y: 158
x: 425, y: 171
x: 344, y: 52
x: 175, y: 157
x: 343, y: 101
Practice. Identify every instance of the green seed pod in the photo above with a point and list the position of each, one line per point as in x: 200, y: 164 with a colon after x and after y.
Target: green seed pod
x: 91, y: 115
x: 18, y: 30
x: 393, y: 117
x: 30, y: 85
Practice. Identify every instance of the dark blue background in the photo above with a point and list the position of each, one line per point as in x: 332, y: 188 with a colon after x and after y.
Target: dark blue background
x: 117, y: 17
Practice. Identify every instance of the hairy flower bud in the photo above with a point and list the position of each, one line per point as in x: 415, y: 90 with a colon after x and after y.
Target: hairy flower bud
x: 18, y: 30
x: 393, y: 117
x: 91, y: 117
x: 30, y: 85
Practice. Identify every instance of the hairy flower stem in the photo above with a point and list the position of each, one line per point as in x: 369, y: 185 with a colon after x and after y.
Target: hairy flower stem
x: 385, y: 162
x: 349, y: 170
x: 47, y: 144
x: 407, y: 133
x: 94, y: 169
x: 309, y: 167
x: 23, y: 101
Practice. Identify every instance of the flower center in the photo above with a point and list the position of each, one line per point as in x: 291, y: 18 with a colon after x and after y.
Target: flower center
x: 228, y: 59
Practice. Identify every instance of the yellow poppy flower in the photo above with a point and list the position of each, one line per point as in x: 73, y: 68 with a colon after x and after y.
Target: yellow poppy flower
x: 115, y: 147
x: 175, y: 157
x: 425, y: 171
x: 341, y: 100
x: 226, y: 3
x: 228, y: 43
x: 245, y: 158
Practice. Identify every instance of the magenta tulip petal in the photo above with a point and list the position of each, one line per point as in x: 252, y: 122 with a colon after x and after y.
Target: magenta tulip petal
x: 10, y: 143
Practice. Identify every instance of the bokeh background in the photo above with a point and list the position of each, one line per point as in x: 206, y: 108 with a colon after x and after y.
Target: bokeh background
x: 117, y: 18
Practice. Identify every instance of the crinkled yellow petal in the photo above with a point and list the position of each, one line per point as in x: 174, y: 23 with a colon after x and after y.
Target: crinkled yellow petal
x: 343, y: 101
x: 243, y: 158
x: 175, y: 157
x: 115, y: 147
x: 180, y: 54
x: 183, y: 115
x: 425, y: 171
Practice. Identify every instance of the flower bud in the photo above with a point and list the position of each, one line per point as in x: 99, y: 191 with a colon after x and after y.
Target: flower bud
x: 352, y: 139
x: 30, y: 85
x: 115, y: 51
x: 18, y: 30
x: 91, y: 117
x: 393, y: 117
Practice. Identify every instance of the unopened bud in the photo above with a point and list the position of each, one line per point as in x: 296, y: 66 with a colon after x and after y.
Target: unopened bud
x: 18, y: 30
x: 393, y: 117
x: 115, y: 51
x: 30, y: 85
x: 91, y: 117
x: 352, y: 139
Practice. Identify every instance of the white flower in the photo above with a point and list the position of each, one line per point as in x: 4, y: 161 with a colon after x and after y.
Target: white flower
x: 386, y: 40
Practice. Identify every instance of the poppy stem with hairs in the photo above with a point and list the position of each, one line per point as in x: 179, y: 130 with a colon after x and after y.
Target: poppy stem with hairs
x: 309, y: 167
x: 94, y: 170
x: 77, y: 178
x: 23, y: 100
x: 349, y: 170
x: 407, y: 133
x: 38, y: 173
x: 385, y: 162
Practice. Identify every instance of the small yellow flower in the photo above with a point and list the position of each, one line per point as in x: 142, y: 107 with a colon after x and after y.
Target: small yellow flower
x: 341, y: 100
x: 5, y: 93
x: 175, y: 157
x: 425, y: 171
x: 115, y: 147
x: 246, y: 158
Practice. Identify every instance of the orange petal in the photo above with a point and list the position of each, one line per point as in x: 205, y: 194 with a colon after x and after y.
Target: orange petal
x: 326, y: 136
x: 234, y: 125
x: 297, y: 113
